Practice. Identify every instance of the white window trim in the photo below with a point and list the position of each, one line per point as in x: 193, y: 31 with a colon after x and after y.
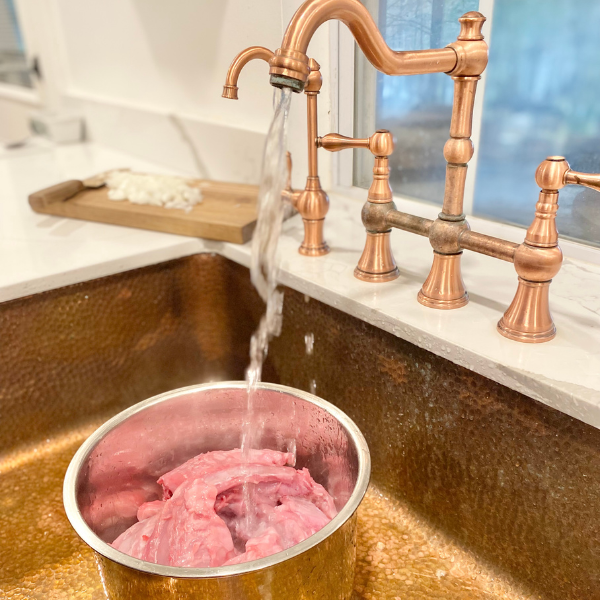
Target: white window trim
x: 40, y: 27
x: 17, y: 93
x: 342, y: 48
x: 20, y: 94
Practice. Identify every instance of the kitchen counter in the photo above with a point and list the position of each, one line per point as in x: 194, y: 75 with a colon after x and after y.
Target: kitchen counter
x: 39, y: 253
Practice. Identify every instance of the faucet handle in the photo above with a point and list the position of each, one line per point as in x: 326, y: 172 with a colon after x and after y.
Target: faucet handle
x: 334, y: 142
x: 589, y: 180
x: 381, y: 143
x: 555, y: 172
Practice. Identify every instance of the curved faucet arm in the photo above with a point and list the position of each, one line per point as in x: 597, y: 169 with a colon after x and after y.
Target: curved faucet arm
x: 230, y: 89
x: 290, y: 60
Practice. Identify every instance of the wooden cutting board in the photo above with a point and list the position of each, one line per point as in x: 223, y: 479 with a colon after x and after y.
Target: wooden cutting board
x: 227, y: 211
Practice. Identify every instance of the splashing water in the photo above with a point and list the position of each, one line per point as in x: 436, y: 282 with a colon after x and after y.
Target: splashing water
x: 309, y: 343
x: 264, y: 266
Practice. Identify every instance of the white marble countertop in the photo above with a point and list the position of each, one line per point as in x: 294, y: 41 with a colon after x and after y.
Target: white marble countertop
x: 39, y: 253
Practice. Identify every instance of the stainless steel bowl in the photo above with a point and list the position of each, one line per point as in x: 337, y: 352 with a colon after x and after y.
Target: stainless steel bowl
x: 116, y: 469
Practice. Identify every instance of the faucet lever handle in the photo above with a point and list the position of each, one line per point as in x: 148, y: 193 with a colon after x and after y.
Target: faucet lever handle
x: 381, y: 143
x: 555, y: 172
x: 589, y: 180
x: 334, y: 142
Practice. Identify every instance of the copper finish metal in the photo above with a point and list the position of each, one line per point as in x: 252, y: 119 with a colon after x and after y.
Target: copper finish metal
x: 312, y: 203
x: 478, y: 459
x: 377, y: 263
x: 334, y: 142
x: 487, y: 244
x: 381, y: 143
x: 444, y: 287
x: 410, y: 223
x: 230, y: 89
x: 589, y: 180
x: 464, y: 60
x: 538, y: 259
x: 528, y: 318
x: 289, y: 66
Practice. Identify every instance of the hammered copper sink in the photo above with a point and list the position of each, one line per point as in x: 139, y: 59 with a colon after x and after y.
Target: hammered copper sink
x: 477, y: 492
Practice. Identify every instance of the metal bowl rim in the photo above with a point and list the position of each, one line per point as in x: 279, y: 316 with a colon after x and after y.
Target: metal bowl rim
x: 92, y: 540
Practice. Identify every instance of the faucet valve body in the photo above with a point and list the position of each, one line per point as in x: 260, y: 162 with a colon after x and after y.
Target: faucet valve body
x: 538, y: 259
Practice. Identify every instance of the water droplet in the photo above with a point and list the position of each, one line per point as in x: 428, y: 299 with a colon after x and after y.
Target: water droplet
x: 309, y: 342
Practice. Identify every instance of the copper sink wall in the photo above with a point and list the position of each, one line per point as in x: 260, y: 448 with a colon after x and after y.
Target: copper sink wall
x: 506, y: 476
x: 103, y: 345
x: 514, y: 481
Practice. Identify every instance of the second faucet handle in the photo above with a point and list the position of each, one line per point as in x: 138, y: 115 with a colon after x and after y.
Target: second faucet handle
x: 555, y: 172
x: 381, y: 143
x: 589, y: 180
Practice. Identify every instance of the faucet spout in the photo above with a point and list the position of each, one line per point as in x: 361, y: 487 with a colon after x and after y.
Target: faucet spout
x: 289, y: 66
x: 230, y: 89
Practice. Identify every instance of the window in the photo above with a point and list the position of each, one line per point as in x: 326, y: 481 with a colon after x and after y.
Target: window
x: 540, y: 97
x: 14, y: 69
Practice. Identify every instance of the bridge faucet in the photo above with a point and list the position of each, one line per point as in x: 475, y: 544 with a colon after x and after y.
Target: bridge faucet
x: 464, y: 60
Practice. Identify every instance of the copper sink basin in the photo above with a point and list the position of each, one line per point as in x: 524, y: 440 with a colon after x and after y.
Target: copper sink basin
x: 477, y: 491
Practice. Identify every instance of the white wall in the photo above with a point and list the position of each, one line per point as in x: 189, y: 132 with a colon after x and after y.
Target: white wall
x: 148, y: 76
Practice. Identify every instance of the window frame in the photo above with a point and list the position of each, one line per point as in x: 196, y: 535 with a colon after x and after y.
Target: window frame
x: 343, y: 48
x: 40, y: 27
x: 18, y: 93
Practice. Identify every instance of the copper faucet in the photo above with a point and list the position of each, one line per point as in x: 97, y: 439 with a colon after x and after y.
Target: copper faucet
x: 537, y: 260
x: 464, y: 60
x: 312, y: 203
x: 230, y: 89
x: 377, y: 262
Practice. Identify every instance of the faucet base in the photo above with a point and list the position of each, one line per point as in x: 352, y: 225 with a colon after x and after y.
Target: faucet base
x: 528, y: 318
x: 444, y: 288
x: 314, y: 250
x: 377, y: 263
x: 314, y: 243
x: 522, y: 336
x: 376, y: 277
x: 442, y: 304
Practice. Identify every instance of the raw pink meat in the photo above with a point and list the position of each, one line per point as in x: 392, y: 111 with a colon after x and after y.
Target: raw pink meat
x: 149, y: 509
x: 201, y: 465
x: 219, y: 509
x: 264, y: 545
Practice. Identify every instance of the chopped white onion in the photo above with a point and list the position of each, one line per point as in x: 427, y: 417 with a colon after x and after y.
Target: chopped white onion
x: 157, y: 190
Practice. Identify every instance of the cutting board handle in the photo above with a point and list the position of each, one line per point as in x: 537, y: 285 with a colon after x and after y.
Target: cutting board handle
x: 56, y: 193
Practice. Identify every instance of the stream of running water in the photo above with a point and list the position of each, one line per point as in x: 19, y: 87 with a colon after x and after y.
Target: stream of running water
x: 264, y: 267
